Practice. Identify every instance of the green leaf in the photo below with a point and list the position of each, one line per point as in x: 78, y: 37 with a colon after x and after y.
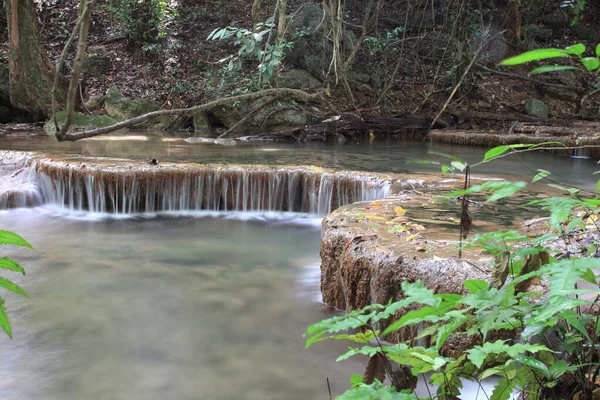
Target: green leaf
x: 475, y: 285
x: 8, y: 237
x: 7, y: 263
x: 553, y: 68
x: 576, y: 50
x: 502, y: 390
x: 541, y: 174
x: 564, y: 274
x: 459, y: 165
x: 495, y: 152
x: 5, y: 283
x: 4, y: 322
x: 589, y: 276
x: 534, y: 55
x: 598, y: 50
x: 532, y: 363
x: 574, y: 320
x: 364, y: 350
x: 356, y: 379
x: 559, y: 368
x: 590, y: 63
x: 478, y: 354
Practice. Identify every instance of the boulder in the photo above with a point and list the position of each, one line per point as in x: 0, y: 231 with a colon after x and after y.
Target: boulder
x: 275, y: 116
x: 95, y: 103
x: 312, y: 48
x: 536, y: 108
x: 297, y: 78
x: 80, y: 122
x: 122, y: 108
x: 557, y: 21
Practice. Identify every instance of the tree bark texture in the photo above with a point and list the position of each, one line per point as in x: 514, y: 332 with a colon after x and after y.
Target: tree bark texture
x: 31, y: 72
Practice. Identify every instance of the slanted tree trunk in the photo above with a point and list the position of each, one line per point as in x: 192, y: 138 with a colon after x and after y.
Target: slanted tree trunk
x: 31, y: 72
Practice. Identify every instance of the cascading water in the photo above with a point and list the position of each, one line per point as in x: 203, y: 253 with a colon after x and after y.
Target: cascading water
x: 123, y: 190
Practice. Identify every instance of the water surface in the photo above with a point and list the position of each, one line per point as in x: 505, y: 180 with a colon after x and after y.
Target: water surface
x: 166, y: 308
x: 386, y: 155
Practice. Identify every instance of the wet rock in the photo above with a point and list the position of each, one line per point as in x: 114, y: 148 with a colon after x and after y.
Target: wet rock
x: 586, y: 33
x: 122, y: 108
x: 225, y: 142
x: 536, y: 108
x: 199, y: 140
x: 80, y: 122
x: 202, y: 124
x: 298, y: 79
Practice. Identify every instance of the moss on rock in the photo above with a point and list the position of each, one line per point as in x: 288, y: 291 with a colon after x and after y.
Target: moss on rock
x: 122, y: 108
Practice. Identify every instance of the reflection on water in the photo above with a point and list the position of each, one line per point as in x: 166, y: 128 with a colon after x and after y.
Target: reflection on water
x: 376, y: 156
x: 166, y: 308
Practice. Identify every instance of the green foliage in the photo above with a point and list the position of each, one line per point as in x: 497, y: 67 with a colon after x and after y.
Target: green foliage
x: 591, y: 64
x: 143, y: 22
x: 256, y: 46
x: 10, y: 238
x: 376, y: 44
x: 554, y: 336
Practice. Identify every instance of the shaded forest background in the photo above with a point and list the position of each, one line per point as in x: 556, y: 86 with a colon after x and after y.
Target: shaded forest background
x: 395, y: 56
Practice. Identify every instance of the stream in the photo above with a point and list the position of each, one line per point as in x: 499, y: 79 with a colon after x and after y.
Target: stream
x: 190, y: 305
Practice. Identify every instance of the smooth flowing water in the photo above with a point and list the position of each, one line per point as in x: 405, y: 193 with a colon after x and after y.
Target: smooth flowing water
x: 167, y: 308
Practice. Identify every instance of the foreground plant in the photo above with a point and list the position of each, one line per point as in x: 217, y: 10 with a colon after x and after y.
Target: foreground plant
x: 532, y: 326
x: 10, y: 238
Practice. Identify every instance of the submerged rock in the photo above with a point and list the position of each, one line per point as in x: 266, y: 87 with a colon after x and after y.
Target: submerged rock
x: 80, y: 122
x: 225, y: 142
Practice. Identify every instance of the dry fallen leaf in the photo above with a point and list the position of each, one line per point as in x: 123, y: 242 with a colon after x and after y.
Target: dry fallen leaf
x: 377, y: 204
x: 411, y: 237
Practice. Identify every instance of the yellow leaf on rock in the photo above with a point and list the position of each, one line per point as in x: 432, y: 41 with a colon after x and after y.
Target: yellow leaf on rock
x: 377, y: 204
x: 400, y: 210
x: 411, y: 237
x: 376, y: 217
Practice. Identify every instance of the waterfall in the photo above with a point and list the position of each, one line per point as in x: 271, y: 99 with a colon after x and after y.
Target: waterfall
x: 131, y: 190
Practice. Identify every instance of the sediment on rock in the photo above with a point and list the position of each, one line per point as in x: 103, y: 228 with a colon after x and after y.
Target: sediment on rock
x: 364, y: 260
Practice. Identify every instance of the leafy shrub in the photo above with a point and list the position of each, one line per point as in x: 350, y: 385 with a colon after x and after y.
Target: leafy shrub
x: 10, y: 238
x: 256, y: 46
x: 532, y: 295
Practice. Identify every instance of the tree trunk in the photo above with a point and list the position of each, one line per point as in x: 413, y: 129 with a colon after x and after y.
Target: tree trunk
x: 30, y: 70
